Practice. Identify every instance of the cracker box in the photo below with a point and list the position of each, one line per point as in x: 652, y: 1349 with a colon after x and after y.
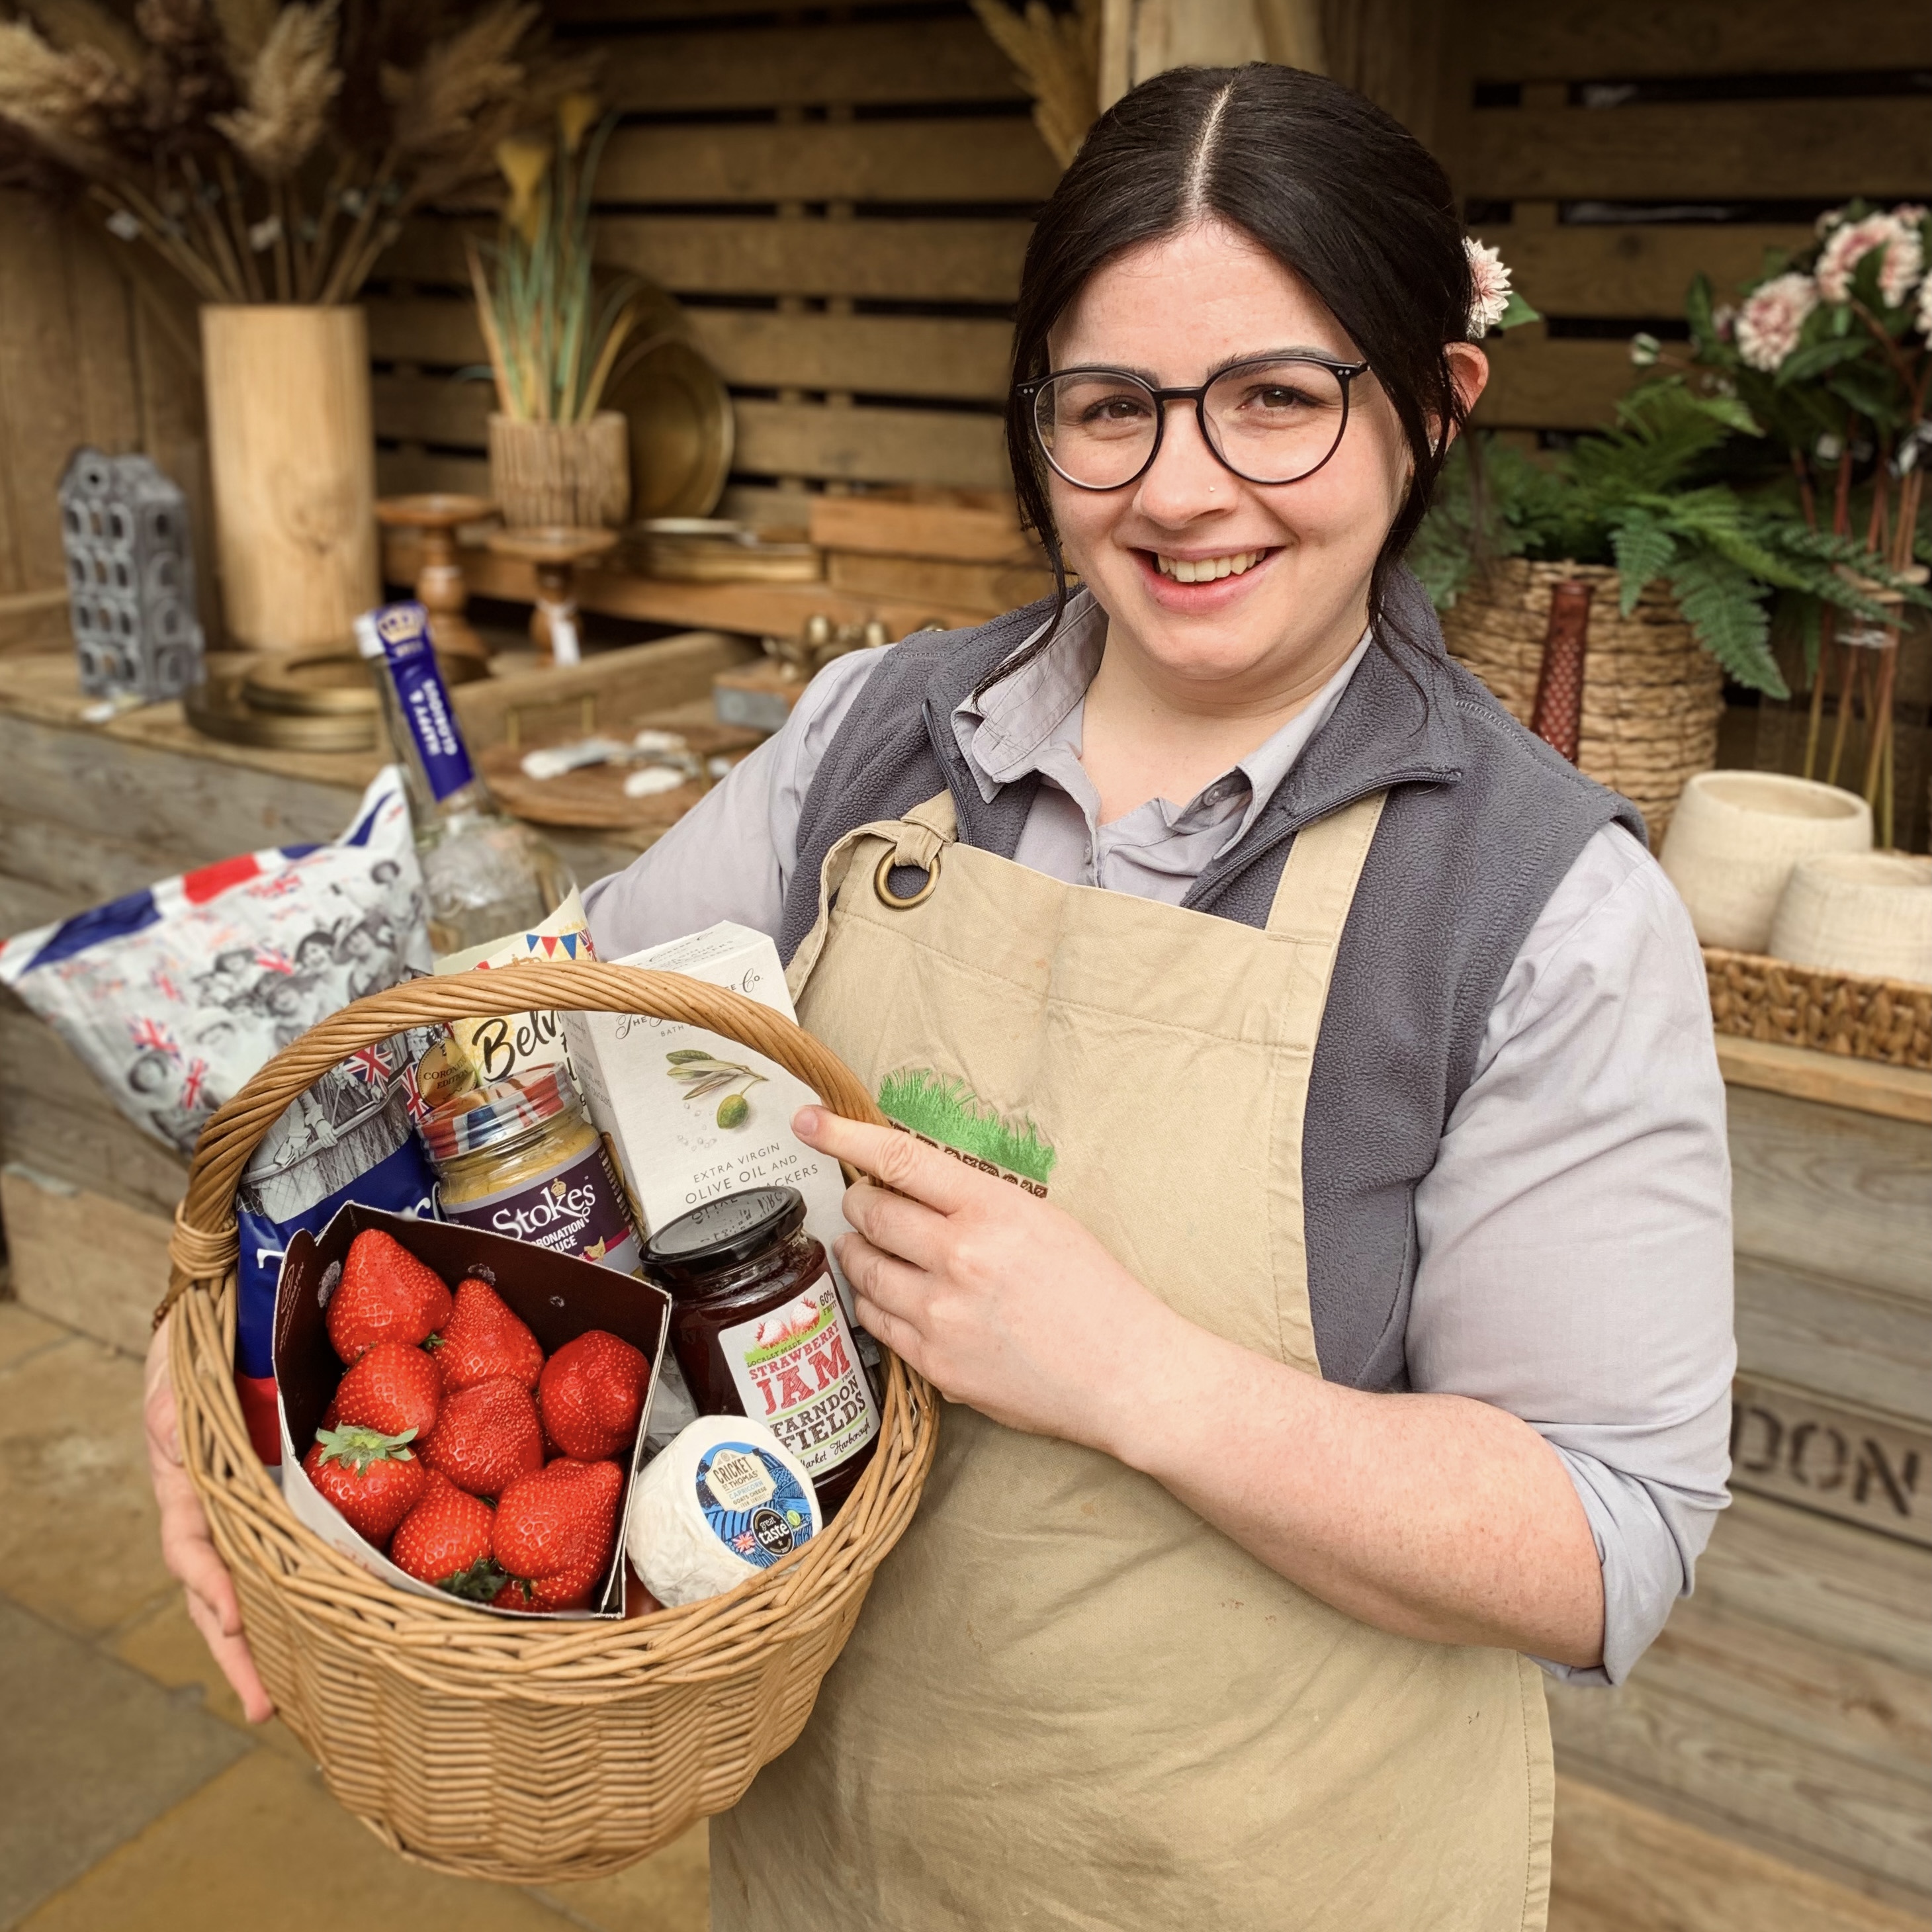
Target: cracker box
x: 693, y: 1114
x: 559, y: 1297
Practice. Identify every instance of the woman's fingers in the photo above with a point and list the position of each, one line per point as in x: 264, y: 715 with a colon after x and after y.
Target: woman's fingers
x: 187, y: 1546
x: 892, y: 1156
x: 236, y: 1663
x: 906, y: 1227
x: 895, y: 1286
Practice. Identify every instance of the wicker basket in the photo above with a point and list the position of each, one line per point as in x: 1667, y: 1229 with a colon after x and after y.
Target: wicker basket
x: 1652, y: 697
x: 532, y: 1753
x: 1756, y: 998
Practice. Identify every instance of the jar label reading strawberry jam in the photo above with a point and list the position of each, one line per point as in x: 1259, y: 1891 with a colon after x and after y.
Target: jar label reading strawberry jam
x: 796, y: 1371
x: 578, y: 1209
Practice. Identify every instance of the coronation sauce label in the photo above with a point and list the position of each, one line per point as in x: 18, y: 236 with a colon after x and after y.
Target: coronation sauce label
x: 577, y: 1209
x: 796, y: 1371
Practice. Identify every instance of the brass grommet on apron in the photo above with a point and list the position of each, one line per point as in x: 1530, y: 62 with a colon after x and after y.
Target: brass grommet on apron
x: 882, y: 885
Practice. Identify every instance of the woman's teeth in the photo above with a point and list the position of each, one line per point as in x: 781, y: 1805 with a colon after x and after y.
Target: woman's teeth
x: 1205, y: 569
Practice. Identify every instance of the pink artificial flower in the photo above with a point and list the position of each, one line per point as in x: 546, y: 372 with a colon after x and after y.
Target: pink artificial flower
x: 1489, y: 287
x: 1903, y: 261
x: 1724, y: 321
x: 1772, y: 319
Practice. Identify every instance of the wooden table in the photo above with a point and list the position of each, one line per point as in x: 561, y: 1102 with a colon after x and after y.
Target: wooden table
x: 88, y: 812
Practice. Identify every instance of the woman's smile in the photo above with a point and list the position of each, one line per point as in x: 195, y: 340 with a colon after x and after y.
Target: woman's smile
x: 1197, y: 583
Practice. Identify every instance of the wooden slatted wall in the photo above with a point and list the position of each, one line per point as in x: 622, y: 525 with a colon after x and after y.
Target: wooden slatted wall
x: 1611, y: 151
x: 842, y: 204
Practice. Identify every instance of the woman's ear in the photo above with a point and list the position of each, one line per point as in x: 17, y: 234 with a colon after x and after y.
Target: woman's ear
x: 1469, y: 370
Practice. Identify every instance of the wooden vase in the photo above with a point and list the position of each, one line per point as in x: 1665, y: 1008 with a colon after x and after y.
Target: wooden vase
x: 575, y: 475
x: 292, y: 448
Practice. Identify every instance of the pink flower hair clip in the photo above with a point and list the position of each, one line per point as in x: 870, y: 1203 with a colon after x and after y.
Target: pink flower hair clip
x: 1493, y: 304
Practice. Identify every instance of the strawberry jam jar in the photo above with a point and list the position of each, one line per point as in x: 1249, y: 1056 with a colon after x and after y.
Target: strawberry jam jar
x: 758, y: 1329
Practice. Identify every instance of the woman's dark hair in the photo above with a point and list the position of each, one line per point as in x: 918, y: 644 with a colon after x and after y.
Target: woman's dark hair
x: 1327, y: 183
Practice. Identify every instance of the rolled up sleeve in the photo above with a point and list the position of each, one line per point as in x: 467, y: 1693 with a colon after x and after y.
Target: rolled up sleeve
x: 1574, y: 1236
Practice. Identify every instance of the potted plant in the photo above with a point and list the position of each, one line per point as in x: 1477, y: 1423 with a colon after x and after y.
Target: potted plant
x: 267, y: 155
x: 1685, y: 564
x: 1827, y: 351
x: 554, y: 333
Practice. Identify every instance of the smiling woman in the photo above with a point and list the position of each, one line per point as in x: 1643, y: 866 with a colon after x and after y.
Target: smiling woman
x: 1332, y: 1288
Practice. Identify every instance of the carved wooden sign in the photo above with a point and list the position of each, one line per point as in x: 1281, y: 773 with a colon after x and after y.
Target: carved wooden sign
x: 1854, y: 1464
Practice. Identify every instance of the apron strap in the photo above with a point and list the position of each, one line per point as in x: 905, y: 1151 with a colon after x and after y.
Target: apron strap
x: 916, y: 840
x: 1311, y: 900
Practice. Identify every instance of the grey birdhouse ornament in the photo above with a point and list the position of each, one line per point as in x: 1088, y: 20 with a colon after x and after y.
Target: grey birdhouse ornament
x: 131, y: 578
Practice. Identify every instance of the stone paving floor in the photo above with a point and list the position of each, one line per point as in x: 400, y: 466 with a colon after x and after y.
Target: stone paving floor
x: 133, y: 1793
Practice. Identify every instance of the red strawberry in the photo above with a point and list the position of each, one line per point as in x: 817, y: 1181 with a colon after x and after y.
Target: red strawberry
x: 486, y: 1437
x: 394, y: 1388
x: 386, y: 1295
x: 591, y: 1394
x: 371, y: 1478
x: 554, y: 1533
x: 483, y: 1338
x: 446, y: 1540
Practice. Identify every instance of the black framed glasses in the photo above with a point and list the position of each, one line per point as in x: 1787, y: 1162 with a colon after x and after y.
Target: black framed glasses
x: 1275, y: 419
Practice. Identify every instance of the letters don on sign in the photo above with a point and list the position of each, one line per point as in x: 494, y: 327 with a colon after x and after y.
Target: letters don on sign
x: 1854, y: 1464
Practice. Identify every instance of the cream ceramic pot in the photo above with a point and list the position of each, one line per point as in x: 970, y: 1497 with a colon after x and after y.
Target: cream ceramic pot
x: 1869, y: 913
x: 1736, y: 836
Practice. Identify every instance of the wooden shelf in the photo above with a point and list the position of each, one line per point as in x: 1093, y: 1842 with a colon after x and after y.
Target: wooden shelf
x: 1801, y: 1073
x: 750, y: 610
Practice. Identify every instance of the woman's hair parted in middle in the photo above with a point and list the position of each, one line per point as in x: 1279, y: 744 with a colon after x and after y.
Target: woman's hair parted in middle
x: 1335, y: 189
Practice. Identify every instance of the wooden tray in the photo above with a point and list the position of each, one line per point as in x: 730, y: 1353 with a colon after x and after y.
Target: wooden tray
x: 592, y: 799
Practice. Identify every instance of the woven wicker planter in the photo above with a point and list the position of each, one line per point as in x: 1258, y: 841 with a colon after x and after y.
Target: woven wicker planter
x: 531, y: 1753
x: 577, y: 474
x: 1652, y: 698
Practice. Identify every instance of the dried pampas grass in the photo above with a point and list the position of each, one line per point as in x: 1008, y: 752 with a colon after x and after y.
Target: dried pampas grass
x: 58, y: 96
x: 471, y: 72
x: 83, y: 23
x: 289, y: 86
x: 412, y: 97
x: 1058, y: 57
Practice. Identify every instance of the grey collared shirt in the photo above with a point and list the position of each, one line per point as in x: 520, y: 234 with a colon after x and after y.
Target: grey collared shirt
x: 1573, y: 1236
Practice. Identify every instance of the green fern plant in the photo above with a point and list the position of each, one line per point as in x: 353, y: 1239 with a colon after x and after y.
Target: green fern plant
x: 1643, y: 496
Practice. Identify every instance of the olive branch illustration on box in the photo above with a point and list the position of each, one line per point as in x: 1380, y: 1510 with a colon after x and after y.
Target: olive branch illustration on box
x: 703, y: 1074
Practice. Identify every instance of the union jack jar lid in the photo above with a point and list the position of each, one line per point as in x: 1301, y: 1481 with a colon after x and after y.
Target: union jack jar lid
x: 490, y: 1115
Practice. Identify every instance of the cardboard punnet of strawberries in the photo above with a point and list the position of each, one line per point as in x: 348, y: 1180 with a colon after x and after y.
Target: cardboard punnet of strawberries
x: 475, y: 1408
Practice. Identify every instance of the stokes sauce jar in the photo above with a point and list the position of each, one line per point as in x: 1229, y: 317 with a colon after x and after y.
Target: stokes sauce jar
x: 519, y: 1158
x: 758, y: 1329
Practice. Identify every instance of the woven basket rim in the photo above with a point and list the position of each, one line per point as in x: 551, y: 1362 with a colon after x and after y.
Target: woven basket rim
x: 447, y: 1645
x: 1912, y: 990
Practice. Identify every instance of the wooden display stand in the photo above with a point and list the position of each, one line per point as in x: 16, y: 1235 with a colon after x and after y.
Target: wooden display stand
x: 89, y: 812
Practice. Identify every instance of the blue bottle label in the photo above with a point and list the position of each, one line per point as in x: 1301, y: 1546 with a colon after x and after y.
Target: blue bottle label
x: 403, y: 629
x: 754, y: 1504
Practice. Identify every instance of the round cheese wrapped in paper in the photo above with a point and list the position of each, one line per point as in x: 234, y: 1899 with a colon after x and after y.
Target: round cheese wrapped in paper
x: 723, y: 1500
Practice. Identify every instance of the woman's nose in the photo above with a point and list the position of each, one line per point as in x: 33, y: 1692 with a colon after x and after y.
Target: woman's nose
x: 1185, y: 479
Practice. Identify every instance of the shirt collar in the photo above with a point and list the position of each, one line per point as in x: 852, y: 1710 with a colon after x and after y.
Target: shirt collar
x: 1015, y: 728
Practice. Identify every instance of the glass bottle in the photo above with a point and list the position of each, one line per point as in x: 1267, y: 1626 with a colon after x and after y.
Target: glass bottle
x: 486, y: 875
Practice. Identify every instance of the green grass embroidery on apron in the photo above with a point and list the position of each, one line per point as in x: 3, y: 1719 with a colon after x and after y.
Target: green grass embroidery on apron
x: 944, y: 1111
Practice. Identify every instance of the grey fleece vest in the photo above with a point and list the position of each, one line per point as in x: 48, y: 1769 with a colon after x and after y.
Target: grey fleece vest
x: 1483, y: 820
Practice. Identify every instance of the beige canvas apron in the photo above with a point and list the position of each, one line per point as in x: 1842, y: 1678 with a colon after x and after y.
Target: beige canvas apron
x: 1070, y: 1702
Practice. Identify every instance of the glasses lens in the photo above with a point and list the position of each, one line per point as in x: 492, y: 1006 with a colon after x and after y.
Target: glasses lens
x: 1097, y: 429
x: 1272, y: 422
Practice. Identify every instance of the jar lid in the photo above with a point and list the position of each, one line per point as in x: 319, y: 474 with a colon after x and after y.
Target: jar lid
x: 729, y: 1230
x: 489, y: 1115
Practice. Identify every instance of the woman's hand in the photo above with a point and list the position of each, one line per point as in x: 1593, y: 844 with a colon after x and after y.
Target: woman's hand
x: 997, y: 1298
x: 187, y: 1549
x: 1009, y: 1304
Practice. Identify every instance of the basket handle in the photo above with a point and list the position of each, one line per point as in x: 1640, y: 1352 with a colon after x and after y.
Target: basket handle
x: 203, y: 1245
